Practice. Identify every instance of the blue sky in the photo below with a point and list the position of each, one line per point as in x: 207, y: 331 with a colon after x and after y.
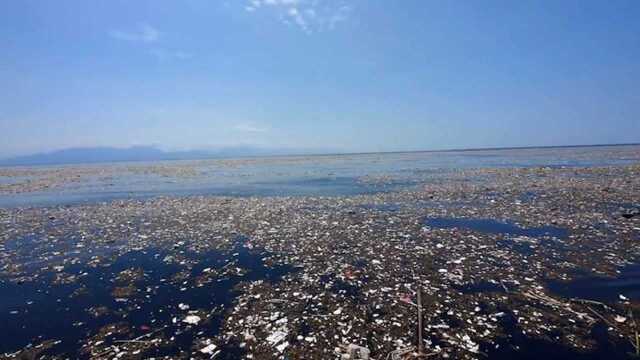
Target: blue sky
x: 324, y: 74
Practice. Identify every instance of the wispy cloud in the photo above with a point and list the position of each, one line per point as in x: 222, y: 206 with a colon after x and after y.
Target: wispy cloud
x: 308, y: 15
x: 342, y: 14
x: 164, y: 54
x: 250, y: 127
x: 142, y: 33
x: 149, y: 38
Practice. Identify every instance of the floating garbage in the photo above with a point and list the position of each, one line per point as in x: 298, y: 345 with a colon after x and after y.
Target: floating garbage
x: 299, y: 276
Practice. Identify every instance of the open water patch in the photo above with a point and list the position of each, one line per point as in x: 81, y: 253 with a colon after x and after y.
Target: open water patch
x: 599, y: 288
x: 517, y: 345
x: 306, y: 186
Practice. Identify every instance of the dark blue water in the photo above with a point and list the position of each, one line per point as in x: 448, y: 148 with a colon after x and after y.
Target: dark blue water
x: 519, y: 346
x: 32, y: 312
x: 490, y: 226
x: 599, y: 288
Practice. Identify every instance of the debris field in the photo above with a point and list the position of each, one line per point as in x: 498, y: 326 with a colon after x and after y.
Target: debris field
x: 333, y: 277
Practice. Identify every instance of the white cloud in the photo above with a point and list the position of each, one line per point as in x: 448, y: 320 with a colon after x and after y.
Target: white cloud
x: 281, y: 2
x: 339, y: 16
x: 307, y: 15
x: 143, y: 33
x: 147, y: 34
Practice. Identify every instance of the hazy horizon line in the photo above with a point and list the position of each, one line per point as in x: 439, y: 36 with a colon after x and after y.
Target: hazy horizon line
x: 292, y: 154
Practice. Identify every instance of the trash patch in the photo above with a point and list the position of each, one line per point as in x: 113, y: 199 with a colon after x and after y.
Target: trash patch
x: 147, y: 293
x: 491, y: 226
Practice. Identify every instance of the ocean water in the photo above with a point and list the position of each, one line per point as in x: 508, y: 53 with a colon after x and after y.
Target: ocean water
x: 322, y: 175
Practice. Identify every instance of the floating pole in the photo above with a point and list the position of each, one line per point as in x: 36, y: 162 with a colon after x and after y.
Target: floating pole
x: 420, y: 344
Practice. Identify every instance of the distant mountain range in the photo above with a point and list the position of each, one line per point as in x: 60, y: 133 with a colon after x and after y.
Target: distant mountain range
x: 140, y: 153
